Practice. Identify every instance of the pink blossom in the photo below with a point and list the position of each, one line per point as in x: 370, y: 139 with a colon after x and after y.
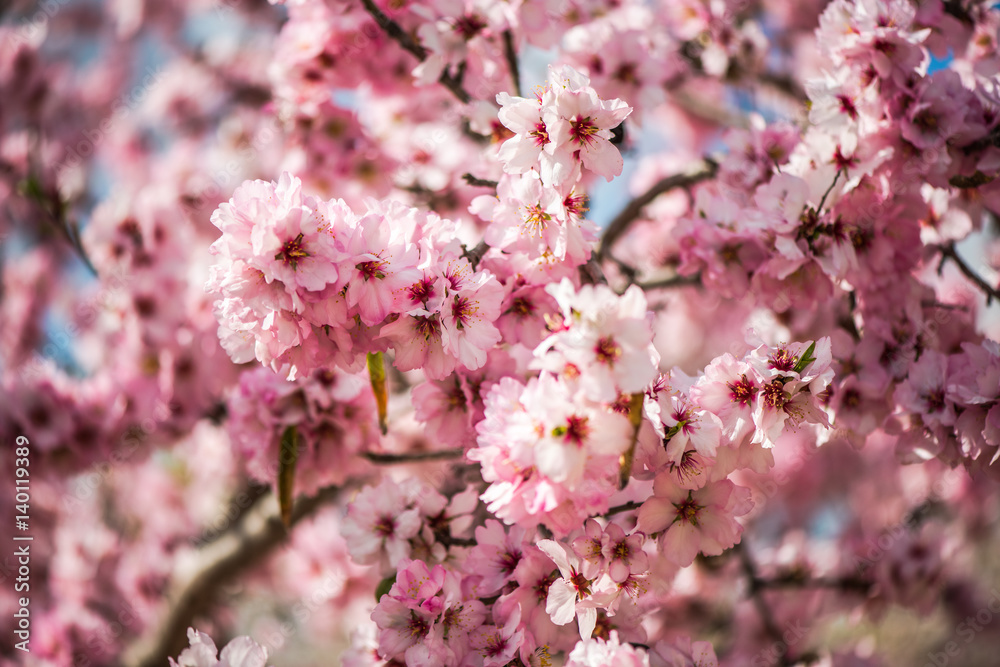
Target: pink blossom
x: 569, y: 596
x: 379, y: 523
x: 694, y: 521
x: 591, y: 652
x: 496, y: 555
x: 384, y: 266
x: 240, y: 652
x: 607, y: 337
x: 580, y: 123
x: 467, y: 319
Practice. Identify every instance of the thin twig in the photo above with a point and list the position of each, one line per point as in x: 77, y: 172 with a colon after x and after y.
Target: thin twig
x: 624, y: 507
x: 55, y: 210
x: 784, y: 84
x: 511, y: 54
x: 756, y: 595
x: 702, y: 172
x: 627, y: 270
x: 225, y: 559
x: 591, y: 273
x: 673, y: 281
x: 958, y: 10
x: 479, y: 182
x: 948, y: 252
x: 393, y: 29
x: 414, y: 457
x: 796, y: 580
x: 476, y: 254
x: 822, y: 201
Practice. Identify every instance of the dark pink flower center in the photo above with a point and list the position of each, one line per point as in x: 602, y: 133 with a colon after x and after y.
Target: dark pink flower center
x: 742, y: 391
x: 576, y: 204
x: 427, y: 326
x: 462, y: 310
x: 782, y: 360
x: 935, y: 400
x: 542, y: 587
x: 847, y: 106
x: 581, y: 584
x: 576, y: 430
x: 385, y: 526
x: 774, y: 395
x: 496, y: 645
x: 292, y: 251
x: 372, y: 269
x: 421, y: 291
x: 688, y: 467
x: 688, y: 510
x: 469, y: 26
x: 416, y: 625
x: 927, y: 121
x: 607, y: 350
x: 508, y: 561
x: 521, y: 307
x: 582, y: 130
x: 540, y: 133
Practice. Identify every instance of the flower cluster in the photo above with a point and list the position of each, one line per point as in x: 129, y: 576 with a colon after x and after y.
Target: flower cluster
x: 392, y: 522
x: 767, y: 390
x: 240, y: 652
x: 330, y: 413
x: 305, y: 284
x: 550, y: 448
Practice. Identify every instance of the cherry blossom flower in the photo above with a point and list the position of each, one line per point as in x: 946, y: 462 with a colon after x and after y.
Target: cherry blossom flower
x: 240, y: 652
x: 594, y: 652
x: 379, y: 523
x: 694, y: 521
x: 467, y: 319
x: 569, y: 597
x: 384, y: 266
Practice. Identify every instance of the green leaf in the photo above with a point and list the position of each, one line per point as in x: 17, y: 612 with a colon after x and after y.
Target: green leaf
x: 806, y: 358
x: 384, y: 586
x: 287, y: 458
x: 635, y: 419
x: 32, y: 187
x: 674, y: 430
x: 376, y: 372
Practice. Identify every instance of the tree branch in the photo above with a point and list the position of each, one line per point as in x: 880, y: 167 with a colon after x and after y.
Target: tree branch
x: 511, y: 54
x: 624, y: 507
x: 224, y: 560
x: 414, y: 457
x: 672, y: 281
x: 948, y: 252
x: 784, y: 84
x: 756, y: 595
x: 479, y: 182
x: 391, y: 28
x: 702, y: 172
x: 800, y: 580
x: 475, y: 255
x: 55, y: 210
